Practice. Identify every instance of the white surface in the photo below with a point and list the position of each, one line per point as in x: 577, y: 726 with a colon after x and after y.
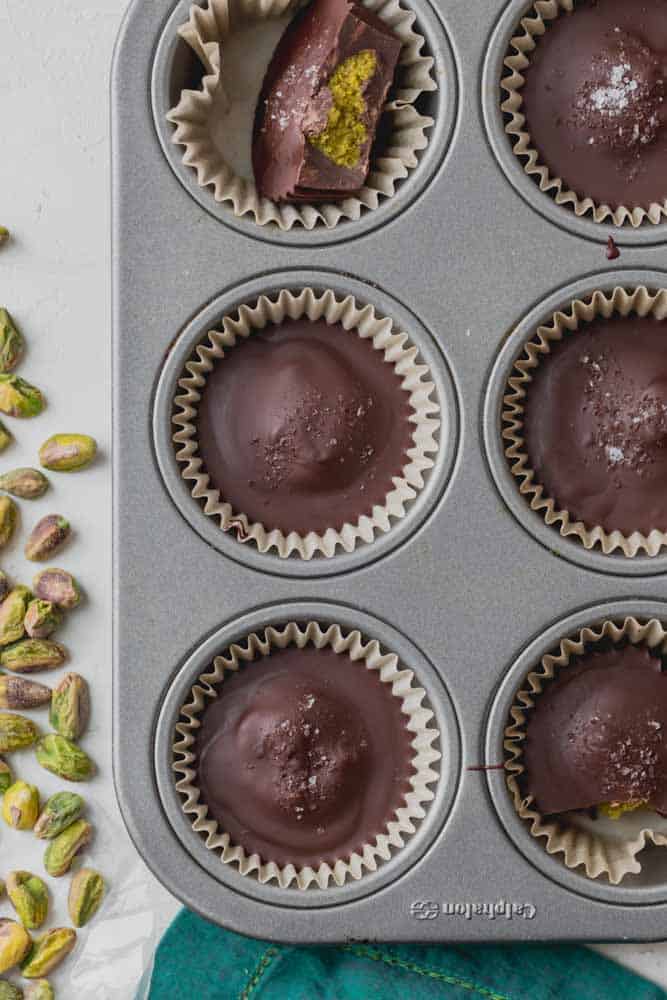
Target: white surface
x: 54, y: 196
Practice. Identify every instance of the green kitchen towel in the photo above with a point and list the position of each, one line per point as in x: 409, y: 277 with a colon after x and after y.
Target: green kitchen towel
x: 198, y: 960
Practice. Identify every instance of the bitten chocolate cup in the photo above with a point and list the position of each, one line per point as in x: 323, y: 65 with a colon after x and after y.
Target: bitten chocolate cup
x: 282, y: 758
x: 585, y: 107
x: 214, y: 124
x: 306, y: 424
x: 601, y: 845
x: 585, y: 421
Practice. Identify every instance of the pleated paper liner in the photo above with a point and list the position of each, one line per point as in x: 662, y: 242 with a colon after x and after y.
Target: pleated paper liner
x: 419, y: 721
x: 529, y: 31
x: 639, y: 301
x: 234, y: 40
x: 604, y: 847
x: 358, y: 320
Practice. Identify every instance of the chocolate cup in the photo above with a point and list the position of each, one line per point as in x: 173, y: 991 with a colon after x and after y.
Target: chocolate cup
x: 205, y: 32
x: 641, y: 302
x: 603, y: 847
x: 419, y: 722
x: 397, y: 350
x: 516, y: 61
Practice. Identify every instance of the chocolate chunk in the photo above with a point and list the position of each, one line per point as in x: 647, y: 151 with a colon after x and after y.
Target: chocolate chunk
x: 304, y: 756
x: 321, y: 101
x: 303, y: 426
x: 595, y: 424
x: 594, y: 101
x: 598, y: 733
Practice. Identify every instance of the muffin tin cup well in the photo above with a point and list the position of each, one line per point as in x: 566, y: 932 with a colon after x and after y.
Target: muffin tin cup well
x: 509, y: 47
x: 415, y: 489
x: 425, y: 701
x: 422, y: 111
x: 617, y: 292
x: 565, y: 853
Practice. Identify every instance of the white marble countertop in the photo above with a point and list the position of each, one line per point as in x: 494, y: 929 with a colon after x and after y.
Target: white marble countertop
x: 54, y: 276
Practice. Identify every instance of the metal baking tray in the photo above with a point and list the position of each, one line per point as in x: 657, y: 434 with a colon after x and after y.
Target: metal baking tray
x: 468, y: 257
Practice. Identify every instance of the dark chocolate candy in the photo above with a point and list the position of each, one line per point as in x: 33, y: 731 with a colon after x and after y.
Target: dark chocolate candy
x: 595, y: 424
x: 594, y: 101
x: 598, y: 733
x: 296, y: 101
x: 304, y: 757
x: 303, y: 426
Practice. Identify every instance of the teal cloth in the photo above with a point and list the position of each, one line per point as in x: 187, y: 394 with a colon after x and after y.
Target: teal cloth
x: 198, y: 960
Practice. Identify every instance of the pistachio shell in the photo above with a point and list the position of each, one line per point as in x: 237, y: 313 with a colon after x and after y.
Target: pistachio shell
x: 20, y: 805
x: 48, y: 535
x: 29, y: 897
x: 57, y: 586
x: 27, y: 484
x: 86, y: 893
x: 68, y: 452
x: 48, y: 952
x: 62, y: 757
x: 15, y: 944
x: 32, y: 654
x: 61, y: 851
x: 16, y: 732
x: 19, y: 398
x: 70, y: 706
x: 60, y: 811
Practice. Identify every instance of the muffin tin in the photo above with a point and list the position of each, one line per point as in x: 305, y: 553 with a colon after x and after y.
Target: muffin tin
x: 470, y: 588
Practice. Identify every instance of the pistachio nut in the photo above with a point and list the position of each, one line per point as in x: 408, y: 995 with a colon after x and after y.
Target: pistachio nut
x: 15, y: 944
x: 70, y: 706
x: 19, y: 398
x: 5, y: 778
x: 5, y: 437
x: 62, y: 850
x: 47, y: 952
x: 12, y: 613
x: 11, y: 342
x: 48, y: 535
x: 29, y: 655
x: 62, y: 757
x: 4, y: 585
x: 57, y: 586
x: 86, y: 893
x: 60, y: 811
x: 41, y: 619
x: 16, y: 732
x: 39, y: 989
x: 20, y: 805
x: 27, y: 484
x: 8, y: 991
x: 68, y: 452
x: 29, y: 897
x: 4, y: 235
x: 20, y: 693
x: 8, y: 515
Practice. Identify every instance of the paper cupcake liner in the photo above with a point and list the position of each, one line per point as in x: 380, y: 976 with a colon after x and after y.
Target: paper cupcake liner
x: 620, y: 302
x: 397, y: 351
x: 520, y: 47
x: 604, y: 847
x: 226, y: 168
x: 420, y: 721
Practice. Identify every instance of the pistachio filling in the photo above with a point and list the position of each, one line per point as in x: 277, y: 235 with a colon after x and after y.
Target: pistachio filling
x: 345, y: 133
x: 614, y: 810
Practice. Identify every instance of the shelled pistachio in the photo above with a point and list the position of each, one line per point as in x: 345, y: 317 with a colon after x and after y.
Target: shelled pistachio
x: 30, y: 655
x: 70, y: 706
x: 41, y: 619
x: 6, y: 778
x: 39, y: 989
x: 16, y: 732
x: 60, y: 811
x: 5, y: 235
x: 12, y: 613
x: 27, y: 484
x: 68, y: 452
x: 20, y: 805
x: 47, y: 537
x: 59, y: 755
x: 57, y: 586
x: 8, y: 516
x: 47, y: 952
x: 61, y: 851
x: 20, y: 693
x: 19, y: 398
x: 15, y: 943
x: 11, y: 342
x: 9, y: 991
x: 86, y: 893
x: 4, y: 585
x: 5, y: 437
x: 29, y: 897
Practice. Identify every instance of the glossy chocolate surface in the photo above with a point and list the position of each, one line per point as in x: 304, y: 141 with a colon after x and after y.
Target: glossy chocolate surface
x: 303, y: 425
x: 594, y: 101
x: 598, y: 733
x: 304, y: 757
x: 295, y: 101
x: 595, y: 424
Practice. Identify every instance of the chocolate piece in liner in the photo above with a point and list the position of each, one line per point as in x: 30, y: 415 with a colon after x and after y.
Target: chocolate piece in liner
x: 320, y: 103
x: 595, y: 424
x: 304, y: 757
x: 598, y: 733
x: 302, y: 426
x: 594, y: 101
